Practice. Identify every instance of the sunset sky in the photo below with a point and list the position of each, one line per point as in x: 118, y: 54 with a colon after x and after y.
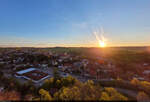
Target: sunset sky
x: 48, y: 23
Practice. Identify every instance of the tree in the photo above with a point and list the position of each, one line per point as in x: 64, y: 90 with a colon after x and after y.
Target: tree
x: 45, y: 96
x: 31, y: 87
x: 66, y: 81
x: 79, y: 91
x: 135, y: 82
x: 105, y: 96
x: 1, y: 74
x: 58, y: 83
x: 68, y: 94
x: 142, y: 97
x: 56, y: 74
x: 48, y: 84
x: 90, y: 91
x: 9, y: 95
x: 145, y: 84
x: 1, y: 66
x: 114, y: 95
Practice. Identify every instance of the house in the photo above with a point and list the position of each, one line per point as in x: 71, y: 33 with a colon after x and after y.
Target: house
x: 2, y: 62
x: 145, y: 64
x: 77, y: 64
x: 60, y: 66
x: 1, y: 89
x: 85, y: 61
x: 44, y: 65
x: 139, y: 78
x: 146, y: 72
x: 1, y: 59
x: 54, y: 63
x: 60, y: 60
x: 64, y: 56
x: 66, y: 67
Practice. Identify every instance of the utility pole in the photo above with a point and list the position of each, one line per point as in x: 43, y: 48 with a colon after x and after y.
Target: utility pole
x: 98, y: 70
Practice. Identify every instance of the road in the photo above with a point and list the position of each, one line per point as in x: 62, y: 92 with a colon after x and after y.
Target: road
x: 132, y: 94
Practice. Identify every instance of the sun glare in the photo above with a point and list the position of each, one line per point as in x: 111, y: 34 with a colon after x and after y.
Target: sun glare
x: 102, y: 44
x: 99, y: 35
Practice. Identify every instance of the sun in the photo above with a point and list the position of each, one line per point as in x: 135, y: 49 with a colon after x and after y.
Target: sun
x: 102, y: 44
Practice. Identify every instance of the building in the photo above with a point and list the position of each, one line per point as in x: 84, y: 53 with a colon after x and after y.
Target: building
x: 32, y: 74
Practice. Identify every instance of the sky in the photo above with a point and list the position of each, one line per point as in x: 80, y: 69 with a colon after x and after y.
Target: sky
x: 71, y: 23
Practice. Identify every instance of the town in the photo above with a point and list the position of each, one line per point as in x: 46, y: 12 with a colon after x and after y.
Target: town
x: 35, y: 65
x: 14, y: 61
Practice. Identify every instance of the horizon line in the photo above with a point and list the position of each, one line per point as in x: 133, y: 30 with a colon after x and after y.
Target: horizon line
x: 73, y: 47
